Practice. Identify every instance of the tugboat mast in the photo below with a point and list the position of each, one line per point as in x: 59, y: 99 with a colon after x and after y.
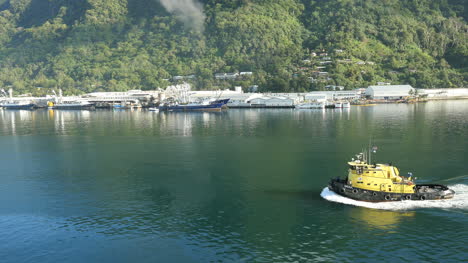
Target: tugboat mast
x: 369, y: 149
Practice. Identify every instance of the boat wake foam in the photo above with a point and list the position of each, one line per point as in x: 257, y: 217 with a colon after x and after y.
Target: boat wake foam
x: 459, y: 201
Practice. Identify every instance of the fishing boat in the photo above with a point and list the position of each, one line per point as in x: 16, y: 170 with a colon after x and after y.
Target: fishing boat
x: 17, y: 105
x: 383, y: 182
x: 223, y: 101
x: 338, y: 105
x: 346, y: 104
x: 153, y: 109
x: 216, y: 105
x: 311, y: 105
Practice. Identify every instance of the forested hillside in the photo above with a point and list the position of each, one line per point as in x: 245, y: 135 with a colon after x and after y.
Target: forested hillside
x: 288, y: 45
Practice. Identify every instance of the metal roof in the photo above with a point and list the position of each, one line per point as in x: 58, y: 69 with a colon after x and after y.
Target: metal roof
x: 389, y: 89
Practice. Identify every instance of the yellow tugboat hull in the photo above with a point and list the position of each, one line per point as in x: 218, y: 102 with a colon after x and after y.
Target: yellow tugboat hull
x: 423, y: 192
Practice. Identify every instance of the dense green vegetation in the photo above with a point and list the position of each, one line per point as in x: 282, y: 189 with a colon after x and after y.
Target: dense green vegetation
x: 116, y: 45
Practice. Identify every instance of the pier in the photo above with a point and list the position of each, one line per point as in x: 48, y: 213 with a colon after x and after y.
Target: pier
x: 238, y: 99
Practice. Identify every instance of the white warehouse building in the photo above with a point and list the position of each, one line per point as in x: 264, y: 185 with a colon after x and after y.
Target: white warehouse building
x: 444, y: 93
x: 346, y: 94
x: 316, y: 96
x: 388, y: 92
x: 266, y: 102
x: 332, y: 95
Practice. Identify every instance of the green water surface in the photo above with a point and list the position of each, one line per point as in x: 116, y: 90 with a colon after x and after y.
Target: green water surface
x: 235, y: 186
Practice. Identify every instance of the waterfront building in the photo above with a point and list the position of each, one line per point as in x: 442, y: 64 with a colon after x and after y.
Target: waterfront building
x: 316, y: 96
x: 388, y: 92
x: 267, y: 102
x: 333, y: 95
x: 444, y: 93
x: 241, y: 100
x: 346, y: 94
x: 201, y: 94
x: 135, y: 96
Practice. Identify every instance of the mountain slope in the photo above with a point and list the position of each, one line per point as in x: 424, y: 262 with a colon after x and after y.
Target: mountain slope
x: 87, y: 45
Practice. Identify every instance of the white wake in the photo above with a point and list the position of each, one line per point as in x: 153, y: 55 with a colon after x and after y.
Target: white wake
x: 459, y: 201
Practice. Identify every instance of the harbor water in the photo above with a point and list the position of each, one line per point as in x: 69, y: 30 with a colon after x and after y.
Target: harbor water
x: 243, y: 185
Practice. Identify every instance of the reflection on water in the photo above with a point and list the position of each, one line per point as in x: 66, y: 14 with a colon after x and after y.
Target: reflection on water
x: 381, y: 120
x: 235, y: 186
x: 380, y: 219
x: 66, y: 122
x: 10, y: 119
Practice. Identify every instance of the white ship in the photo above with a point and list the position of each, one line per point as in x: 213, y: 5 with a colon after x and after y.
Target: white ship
x: 71, y: 105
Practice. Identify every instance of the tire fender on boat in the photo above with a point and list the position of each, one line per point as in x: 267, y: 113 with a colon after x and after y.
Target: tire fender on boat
x: 422, y: 198
x: 387, y: 197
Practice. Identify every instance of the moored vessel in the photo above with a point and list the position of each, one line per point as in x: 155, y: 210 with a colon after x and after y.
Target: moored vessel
x: 71, y: 105
x: 383, y: 182
x: 15, y: 104
x: 216, y: 105
x: 18, y: 105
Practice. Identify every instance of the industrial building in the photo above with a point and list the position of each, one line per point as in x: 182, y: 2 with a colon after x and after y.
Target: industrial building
x: 131, y: 95
x: 389, y: 92
x: 444, y: 93
x: 316, y: 96
x: 348, y: 95
x: 272, y: 102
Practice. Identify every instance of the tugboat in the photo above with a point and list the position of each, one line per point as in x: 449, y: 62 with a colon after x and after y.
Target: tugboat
x: 383, y: 183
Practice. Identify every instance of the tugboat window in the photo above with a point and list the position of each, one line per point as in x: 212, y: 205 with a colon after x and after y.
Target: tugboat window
x: 359, y: 170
